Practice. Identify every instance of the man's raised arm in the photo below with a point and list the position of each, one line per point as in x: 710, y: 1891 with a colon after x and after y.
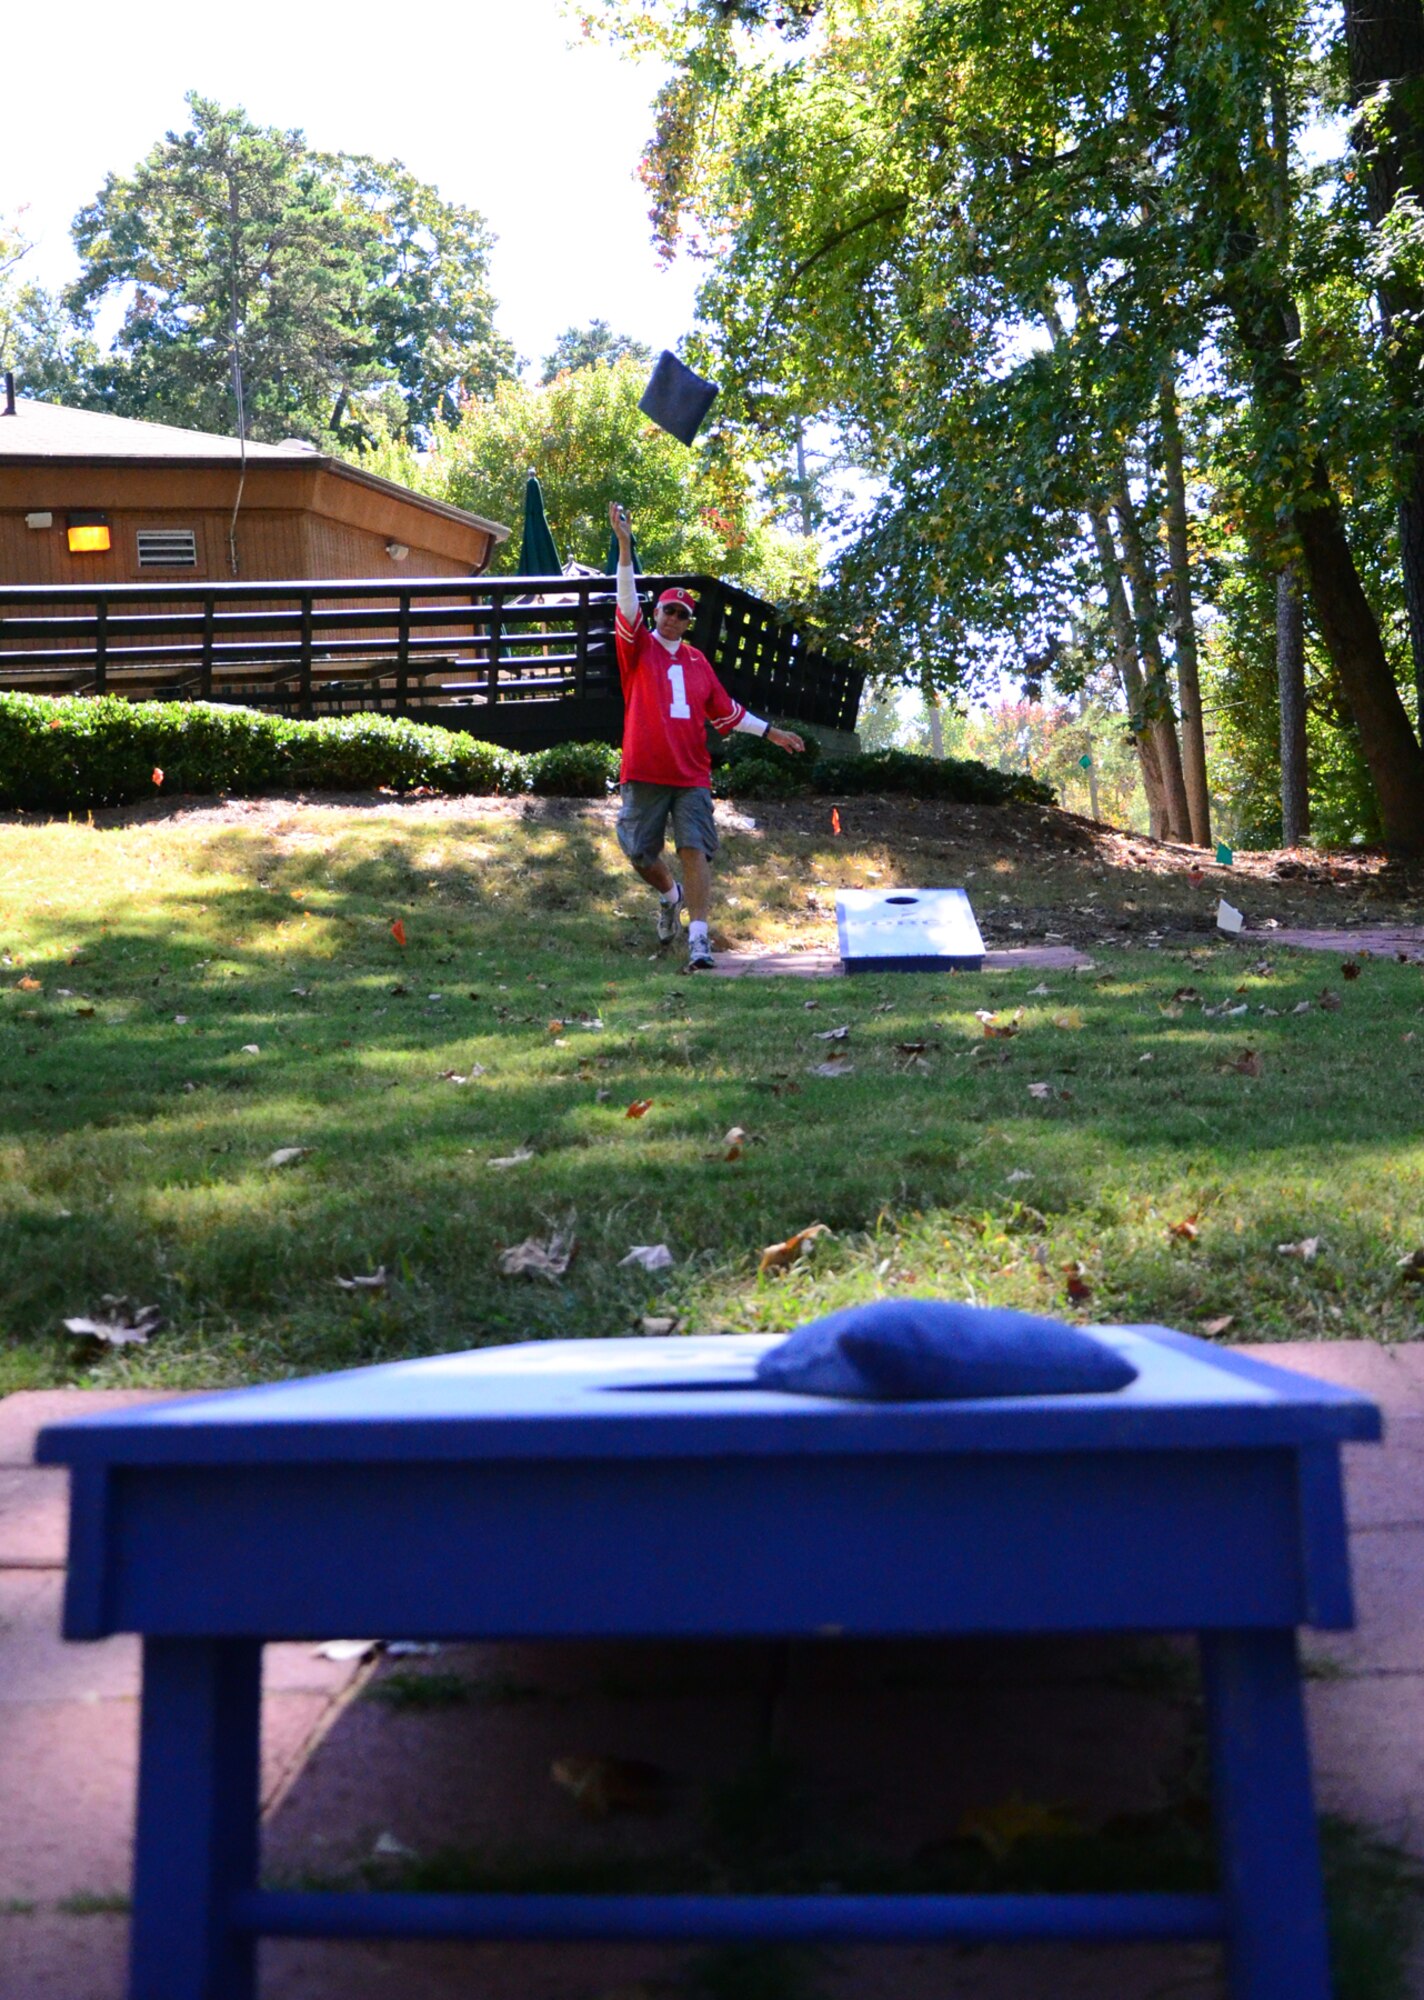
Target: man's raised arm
x: 627, y: 588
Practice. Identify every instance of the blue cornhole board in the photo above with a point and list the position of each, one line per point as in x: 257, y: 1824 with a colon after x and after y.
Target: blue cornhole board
x: 908, y: 930
x: 650, y: 1488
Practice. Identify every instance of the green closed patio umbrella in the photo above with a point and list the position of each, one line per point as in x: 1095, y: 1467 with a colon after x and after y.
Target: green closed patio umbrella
x: 537, y: 554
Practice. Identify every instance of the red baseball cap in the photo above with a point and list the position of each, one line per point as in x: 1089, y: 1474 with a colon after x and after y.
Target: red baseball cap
x: 676, y: 596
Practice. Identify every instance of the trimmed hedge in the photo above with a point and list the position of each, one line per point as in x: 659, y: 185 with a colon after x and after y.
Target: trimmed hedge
x: 749, y: 768
x: 67, y: 753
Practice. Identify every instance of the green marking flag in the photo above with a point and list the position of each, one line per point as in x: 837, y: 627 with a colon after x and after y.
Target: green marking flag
x: 1224, y: 855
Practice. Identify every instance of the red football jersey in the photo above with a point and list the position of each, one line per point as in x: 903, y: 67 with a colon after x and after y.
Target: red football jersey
x: 668, y: 700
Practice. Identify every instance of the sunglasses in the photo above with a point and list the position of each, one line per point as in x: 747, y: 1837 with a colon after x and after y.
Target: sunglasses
x: 676, y: 610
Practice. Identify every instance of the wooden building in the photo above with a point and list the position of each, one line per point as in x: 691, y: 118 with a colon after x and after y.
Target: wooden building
x: 92, y: 499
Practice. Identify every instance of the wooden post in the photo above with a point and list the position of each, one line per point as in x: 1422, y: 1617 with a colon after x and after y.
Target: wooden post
x: 101, y: 645
x: 585, y: 591
x: 496, y: 639
x: 304, y: 693
x: 206, y: 683
x: 402, y: 651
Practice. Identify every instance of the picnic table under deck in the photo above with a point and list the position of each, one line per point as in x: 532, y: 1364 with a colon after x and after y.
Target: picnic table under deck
x: 643, y: 1488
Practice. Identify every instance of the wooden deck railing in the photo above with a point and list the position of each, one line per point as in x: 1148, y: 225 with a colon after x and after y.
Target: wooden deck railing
x: 532, y: 656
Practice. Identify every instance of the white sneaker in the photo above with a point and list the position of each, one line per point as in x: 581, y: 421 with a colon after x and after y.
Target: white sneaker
x: 699, y: 957
x: 669, y: 916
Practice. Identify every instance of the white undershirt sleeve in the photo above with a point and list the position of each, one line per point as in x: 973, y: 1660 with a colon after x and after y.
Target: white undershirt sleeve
x: 627, y: 592
x: 751, y: 725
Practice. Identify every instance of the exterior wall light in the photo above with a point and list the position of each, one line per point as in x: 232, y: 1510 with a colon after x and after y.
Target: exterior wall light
x: 43, y: 519
x: 88, y: 534
x: 397, y: 551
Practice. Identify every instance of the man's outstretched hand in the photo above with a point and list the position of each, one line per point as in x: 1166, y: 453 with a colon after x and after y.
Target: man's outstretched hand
x: 785, y: 739
x: 618, y: 521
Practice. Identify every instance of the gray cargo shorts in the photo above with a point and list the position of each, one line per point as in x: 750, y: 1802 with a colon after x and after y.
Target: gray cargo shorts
x: 643, y: 818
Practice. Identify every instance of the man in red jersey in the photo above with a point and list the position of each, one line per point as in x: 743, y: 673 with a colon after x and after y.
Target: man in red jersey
x: 670, y: 694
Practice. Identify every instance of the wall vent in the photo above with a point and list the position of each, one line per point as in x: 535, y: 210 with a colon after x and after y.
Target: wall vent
x: 167, y: 548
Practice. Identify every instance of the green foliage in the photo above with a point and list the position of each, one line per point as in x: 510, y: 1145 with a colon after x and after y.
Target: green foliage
x: 348, y: 277
x: 979, y: 241
x: 50, y: 357
x: 960, y: 780
x: 573, y: 770
x: 70, y: 753
x: 697, y: 511
x: 589, y: 347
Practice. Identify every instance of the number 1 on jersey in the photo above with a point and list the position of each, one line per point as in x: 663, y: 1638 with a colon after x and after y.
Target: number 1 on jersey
x: 678, y: 707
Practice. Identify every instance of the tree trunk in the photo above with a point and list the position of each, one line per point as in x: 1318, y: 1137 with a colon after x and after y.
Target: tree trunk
x: 1184, y: 631
x: 1384, y: 40
x: 1128, y: 670
x: 1344, y: 619
x: 1290, y: 680
x: 1157, y: 694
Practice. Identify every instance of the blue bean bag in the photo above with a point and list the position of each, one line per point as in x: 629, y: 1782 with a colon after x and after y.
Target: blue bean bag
x: 932, y: 1350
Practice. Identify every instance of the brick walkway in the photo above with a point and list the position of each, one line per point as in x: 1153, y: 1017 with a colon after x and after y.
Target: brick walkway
x: 345, y: 1779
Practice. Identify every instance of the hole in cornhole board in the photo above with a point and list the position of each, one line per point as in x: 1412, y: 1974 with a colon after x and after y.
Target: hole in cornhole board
x: 908, y: 930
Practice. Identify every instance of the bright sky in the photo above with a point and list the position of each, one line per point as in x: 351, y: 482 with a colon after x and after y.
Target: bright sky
x: 497, y: 102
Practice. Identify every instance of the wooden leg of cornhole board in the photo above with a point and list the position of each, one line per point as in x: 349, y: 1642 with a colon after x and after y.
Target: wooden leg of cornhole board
x: 1265, y: 1817
x: 197, y: 1831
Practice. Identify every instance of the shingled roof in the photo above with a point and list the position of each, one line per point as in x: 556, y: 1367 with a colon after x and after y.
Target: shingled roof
x: 52, y: 434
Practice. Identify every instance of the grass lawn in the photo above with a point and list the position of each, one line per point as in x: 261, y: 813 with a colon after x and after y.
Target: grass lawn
x: 183, y: 997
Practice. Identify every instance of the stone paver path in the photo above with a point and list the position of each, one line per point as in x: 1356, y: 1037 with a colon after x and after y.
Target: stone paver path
x: 905, y: 1740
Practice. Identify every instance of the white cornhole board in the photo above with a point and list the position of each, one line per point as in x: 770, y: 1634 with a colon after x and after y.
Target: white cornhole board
x: 908, y: 930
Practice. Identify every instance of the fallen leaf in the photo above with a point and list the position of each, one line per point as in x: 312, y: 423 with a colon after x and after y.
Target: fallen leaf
x: 603, y: 1785
x: 1307, y: 1249
x: 515, y: 1159
x: 250, y: 1049
x: 1330, y: 1001
x: 537, y: 1257
x: 1248, y: 1063
x: 1302, y: 1007
x: 286, y: 1156
x: 1071, y: 1019
x: 1018, y: 1174
x: 28, y: 985
x: 832, y: 1067
x: 374, y: 1281
x: 779, y: 1256
x: 835, y: 820
x: 1186, y: 1230
x: 1186, y: 996
x: 657, y: 1324
x: 398, y: 932
x: 734, y: 1143
x: 639, y: 1108
x: 1411, y: 1268
x: 652, y: 1257
x: 810, y: 1005
x: 1040, y: 1090
x: 124, y: 1325
x: 1349, y: 970
x: 1075, y: 1282
x: 1212, y: 1327
x: 832, y: 1034
x: 156, y: 775
x: 466, y: 1076
x: 556, y: 1027
x: 1040, y: 992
